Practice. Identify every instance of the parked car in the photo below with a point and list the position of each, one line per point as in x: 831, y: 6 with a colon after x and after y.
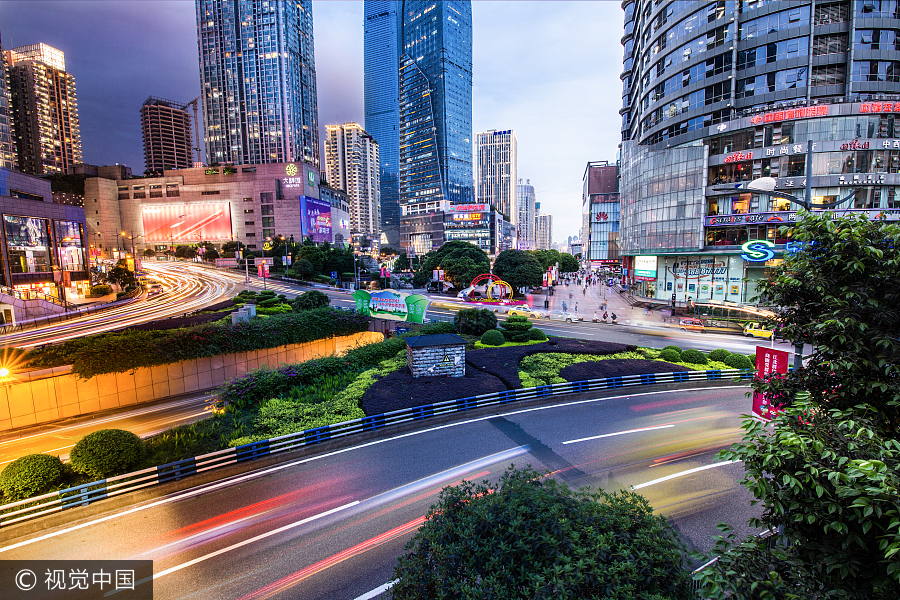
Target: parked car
x: 758, y: 331
x: 564, y: 316
x: 526, y: 312
x: 690, y: 324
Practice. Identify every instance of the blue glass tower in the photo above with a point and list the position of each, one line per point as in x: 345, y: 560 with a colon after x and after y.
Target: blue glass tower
x: 381, y: 58
x: 258, y: 74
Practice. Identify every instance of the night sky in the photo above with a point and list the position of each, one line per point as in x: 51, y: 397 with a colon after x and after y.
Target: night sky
x: 548, y: 70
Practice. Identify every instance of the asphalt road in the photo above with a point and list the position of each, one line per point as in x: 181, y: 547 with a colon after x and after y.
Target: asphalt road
x: 332, y: 526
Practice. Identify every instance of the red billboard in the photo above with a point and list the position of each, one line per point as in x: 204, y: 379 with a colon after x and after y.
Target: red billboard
x: 187, y: 222
x: 768, y: 360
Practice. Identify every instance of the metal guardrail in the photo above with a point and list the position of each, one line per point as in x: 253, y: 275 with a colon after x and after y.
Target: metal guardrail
x: 34, y: 295
x: 106, y: 488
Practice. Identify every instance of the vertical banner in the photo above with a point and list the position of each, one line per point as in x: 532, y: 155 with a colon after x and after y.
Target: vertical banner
x: 768, y: 361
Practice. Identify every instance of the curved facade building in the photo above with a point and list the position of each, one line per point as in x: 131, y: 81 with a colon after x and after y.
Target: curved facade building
x: 718, y: 94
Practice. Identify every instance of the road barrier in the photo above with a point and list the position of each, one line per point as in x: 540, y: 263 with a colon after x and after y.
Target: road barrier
x: 84, y: 494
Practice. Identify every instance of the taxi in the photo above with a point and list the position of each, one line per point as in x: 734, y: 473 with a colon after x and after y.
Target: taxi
x: 758, y: 331
x: 526, y: 312
x: 690, y: 324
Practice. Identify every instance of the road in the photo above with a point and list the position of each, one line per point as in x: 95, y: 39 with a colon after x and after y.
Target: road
x: 331, y: 526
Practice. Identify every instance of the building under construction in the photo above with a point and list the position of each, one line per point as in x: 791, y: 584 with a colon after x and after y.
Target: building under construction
x: 167, y: 134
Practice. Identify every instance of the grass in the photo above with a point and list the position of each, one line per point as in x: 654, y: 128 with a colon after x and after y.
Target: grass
x: 480, y: 346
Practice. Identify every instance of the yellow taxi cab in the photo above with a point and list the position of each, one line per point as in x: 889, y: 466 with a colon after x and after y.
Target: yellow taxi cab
x: 758, y: 331
x: 526, y: 312
x: 690, y: 324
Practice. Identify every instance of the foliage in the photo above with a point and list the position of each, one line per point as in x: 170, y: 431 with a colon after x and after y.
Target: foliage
x: 547, y: 258
x: 675, y: 348
x: 149, y: 252
x: 106, y: 452
x: 402, y: 262
x: 100, y: 290
x: 310, y: 300
x: 421, y: 278
x: 210, y: 255
x: 515, y: 328
x: 841, y: 294
x: 303, y: 268
x: 537, y: 335
x: 461, y: 261
x: 30, y: 475
x: 188, y: 252
x: 121, y: 275
x: 519, y: 269
x: 475, y: 321
x: 738, y: 361
x: 231, y: 246
x: 828, y: 479
x: 670, y: 355
x: 493, y: 337
x: 436, y: 327
x: 527, y: 536
x: 719, y: 354
x: 567, y: 263
x: 695, y: 357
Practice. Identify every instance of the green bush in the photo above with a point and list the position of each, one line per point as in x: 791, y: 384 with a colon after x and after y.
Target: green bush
x: 738, y: 361
x: 269, y: 303
x: 670, y: 355
x: 675, y: 348
x: 100, y: 290
x: 310, y: 300
x: 537, y: 334
x: 718, y: 355
x: 29, y: 476
x: 436, y: 327
x: 515, y: 328
x: 529, y: 536
x: 752, y: 358
x: 493, y: 337
x: 106, y: 452
x: 695, y: 357
x: 474, y: 321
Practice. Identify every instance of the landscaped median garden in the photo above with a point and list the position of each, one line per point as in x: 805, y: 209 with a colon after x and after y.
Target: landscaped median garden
x: 367, y: 380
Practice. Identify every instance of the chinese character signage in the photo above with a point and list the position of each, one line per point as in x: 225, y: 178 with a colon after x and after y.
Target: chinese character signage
x: 790, y: 114
x: 738, y: 157
x: 388, y: 304
x: 768, y: 360
x: 316, y: 216
x: 76, y: 579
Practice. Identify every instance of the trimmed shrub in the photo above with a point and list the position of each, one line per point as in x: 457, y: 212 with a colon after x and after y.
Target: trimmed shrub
x: 670, y: 355
x: 752, y: 358
x: 31, y: 475
x: 675, y: 348
x: 515, y: 328
x: 100, y: 290
x: 436, y: 328
x: 695, y: 357
x: 738, y: 361
x: 537, y: 334
x: 474, y: 321
x: 107, y: 452
x: 310, y: 300
x: 269, y: 303
x: 718, y: 355
x: 493, y: 337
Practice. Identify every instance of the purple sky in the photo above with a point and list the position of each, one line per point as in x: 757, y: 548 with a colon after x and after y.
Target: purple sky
x: 548, y: 70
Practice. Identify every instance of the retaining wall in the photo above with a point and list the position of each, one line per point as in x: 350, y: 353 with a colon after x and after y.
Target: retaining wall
x: 52, y: 394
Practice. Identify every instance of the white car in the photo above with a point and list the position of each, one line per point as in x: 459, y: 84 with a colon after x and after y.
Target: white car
x: 568, y: 317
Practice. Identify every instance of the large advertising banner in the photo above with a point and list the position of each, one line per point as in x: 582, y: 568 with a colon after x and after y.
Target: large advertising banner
x: 388, y: 304
x: 768, y: 360
x: 316, y: 219
x: 187, y: 222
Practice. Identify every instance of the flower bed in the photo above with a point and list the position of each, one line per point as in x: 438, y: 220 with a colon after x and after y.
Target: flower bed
x: 617, y: 367
x: 401, y: 390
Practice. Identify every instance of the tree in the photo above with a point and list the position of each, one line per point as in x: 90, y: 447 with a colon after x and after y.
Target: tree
x: 568, y: 264
x: 149, y: 252
x: 230, y: 247
x: 314, y: 255
x: 402, y: 262
x: 547, y: 258
x: 303, y: 268
x: 474, y: 321
x: 461, y: 261
x: 310, y: 300
x: 210, y: 255
x: 120, y: 275
x: 187, y: 252
x: 528, y: 536
x: 388, y: 251
x: 518, y: 268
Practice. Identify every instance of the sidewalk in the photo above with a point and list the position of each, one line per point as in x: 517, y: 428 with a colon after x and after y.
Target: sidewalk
x: 593, y: 298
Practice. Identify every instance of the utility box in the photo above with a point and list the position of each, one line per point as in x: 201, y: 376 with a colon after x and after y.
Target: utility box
x: 441, y: 355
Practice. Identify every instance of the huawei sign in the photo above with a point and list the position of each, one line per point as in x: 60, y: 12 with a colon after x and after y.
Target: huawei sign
x: 602, y: 216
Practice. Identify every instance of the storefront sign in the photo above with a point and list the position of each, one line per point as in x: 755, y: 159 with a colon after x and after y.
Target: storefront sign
x: 758, y: 251
x: 768, y: 360
x: 786, y: 150
x: 785, y: 217
x: 738, y: 157
x: 388, y: 304
x: 790, y: 114
x: 855, y: 145
x: 468, y: 207
x: 879, y: 107
x: 645, y: 267
x: 467, y: 216
x: 292, y: 182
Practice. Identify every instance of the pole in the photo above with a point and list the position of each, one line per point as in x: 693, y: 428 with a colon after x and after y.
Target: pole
x: 247, y: 273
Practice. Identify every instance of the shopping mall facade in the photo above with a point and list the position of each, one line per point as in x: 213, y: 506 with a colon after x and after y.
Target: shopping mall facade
x: 723, y: 93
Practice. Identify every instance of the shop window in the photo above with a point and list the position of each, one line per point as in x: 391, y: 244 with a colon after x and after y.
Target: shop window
x: 780, y: 204
x: 740, y: 205
x: 713, y: 207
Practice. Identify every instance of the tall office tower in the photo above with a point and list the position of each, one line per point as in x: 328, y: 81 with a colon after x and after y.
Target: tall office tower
x: 717, y: 94
x: 258, y: 74
x: 166, y: 128
x: 543, y: 229
x: 525, y: 207
x: 600, y: 212
x: 435, y: 103
x: 7, y: 139
x: 381, y: 96
x: 496, y: 175
x: 44, y: 110
x: 351, y: 161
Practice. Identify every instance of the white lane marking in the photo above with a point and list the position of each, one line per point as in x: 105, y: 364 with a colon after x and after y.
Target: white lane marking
x: 683, y: 473
x: 263, y: 472
x: 377, y: 591
x: 605, y: 435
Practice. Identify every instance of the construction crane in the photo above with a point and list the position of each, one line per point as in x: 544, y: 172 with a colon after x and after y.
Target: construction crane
x: 196, y: 127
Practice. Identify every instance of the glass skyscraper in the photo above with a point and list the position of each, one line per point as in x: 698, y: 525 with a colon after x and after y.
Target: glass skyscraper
x: 258, y: 74
x: 381, y: 60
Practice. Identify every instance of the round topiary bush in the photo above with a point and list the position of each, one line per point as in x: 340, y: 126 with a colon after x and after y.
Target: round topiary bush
x: 718, y: 355
x: 493, y: 337
x: 695, y: 357
x: 675, y: 348
x: 752, y: 358
x: 106, y: 452
x: 738, y: 361
x: 29, y: 476
x: 670, y: 355
x: 537, y: 335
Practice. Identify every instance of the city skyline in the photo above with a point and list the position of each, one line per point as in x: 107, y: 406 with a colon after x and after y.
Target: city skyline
x: 140, y: 57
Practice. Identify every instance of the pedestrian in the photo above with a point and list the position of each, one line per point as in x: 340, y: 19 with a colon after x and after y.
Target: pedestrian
x: 565, y: 308
x: 605, y: 315
x: 595, y: 317
x: 613, y: 317
x: 576, y: 306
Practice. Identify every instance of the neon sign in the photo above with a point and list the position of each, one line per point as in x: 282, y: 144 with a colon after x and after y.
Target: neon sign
x: 855, y: 145
x: 758, y: 251
x: 791, y: 113
x: 739, y: 156
x: 879, y: 107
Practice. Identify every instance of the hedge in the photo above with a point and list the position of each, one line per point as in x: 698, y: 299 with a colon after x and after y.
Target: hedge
x: 493, y: 337
x: 107, y: 452
x: 129, y: 350
x: 537, y: 335
x: 719, y: 355
x: 694, y: 357
x: 670, y: 355
x: 31, y: 475
x: 675, y: 348
x: 738, y: 361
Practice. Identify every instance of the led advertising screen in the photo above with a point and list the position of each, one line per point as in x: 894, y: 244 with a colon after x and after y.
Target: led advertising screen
x: 316, y: 219
x: 187, y: 222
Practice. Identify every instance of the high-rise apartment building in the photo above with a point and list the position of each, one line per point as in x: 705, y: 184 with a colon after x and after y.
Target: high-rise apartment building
x: 718, y: 94
x: 381, y: 94
x: 600, y: 213
x: 258, y: 74
x: 525, y: 207
x: 495, y: 174
x: 44, y: 110
x: 166, y: 128
x: 7, y: 139
x: 351, y: 162
x: 543, y: 229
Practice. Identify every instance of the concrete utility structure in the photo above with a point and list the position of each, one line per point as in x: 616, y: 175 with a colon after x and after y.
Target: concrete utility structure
x: 44, y: 110
x: 351, y: 161
x: 441, y: 355
x: 719, y: 94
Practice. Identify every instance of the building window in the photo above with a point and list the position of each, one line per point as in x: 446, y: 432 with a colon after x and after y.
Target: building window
x: 210, y: 193
x: 251, y: 234
x: 248, y: 211
x: 248, y: 199
x: 267, y: 209
x: 251, y: 223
